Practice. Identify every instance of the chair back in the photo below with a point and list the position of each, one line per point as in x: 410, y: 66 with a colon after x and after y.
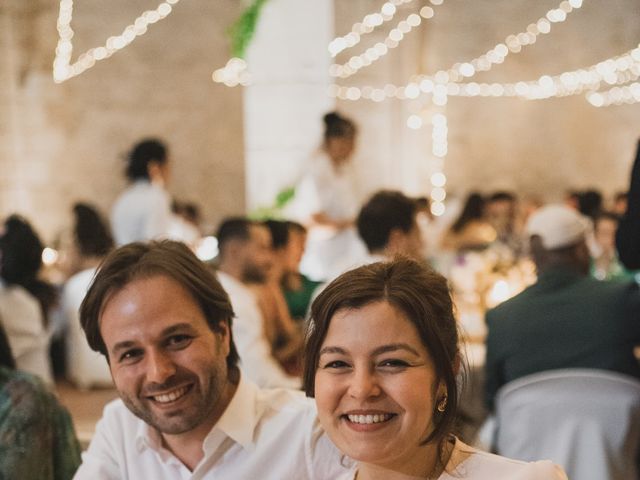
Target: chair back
x: 587, y: 421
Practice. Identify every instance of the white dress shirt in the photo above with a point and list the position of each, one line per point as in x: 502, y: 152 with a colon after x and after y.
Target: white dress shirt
x: 467, y: 463
x: 256, y: 360
x: 263, y: 434
x: 21, y: 316
x: 142, y: 212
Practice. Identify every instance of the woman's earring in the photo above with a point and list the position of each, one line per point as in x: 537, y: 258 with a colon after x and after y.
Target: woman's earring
x: 442, y: 404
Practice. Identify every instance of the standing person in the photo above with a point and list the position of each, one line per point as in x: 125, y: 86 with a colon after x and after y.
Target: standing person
x: 628, y: 234
x: 382, y: 360
x: 143, y: 210
x: 327, y: 203
x: 164, y: 323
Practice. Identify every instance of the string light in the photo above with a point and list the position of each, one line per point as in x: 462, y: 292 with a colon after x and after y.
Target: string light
x: 380, y: 49
x: 367, y: 25
x: 233, y: 73
x: 63, y: 69
x: 439, y: 148
x: 615, y: 96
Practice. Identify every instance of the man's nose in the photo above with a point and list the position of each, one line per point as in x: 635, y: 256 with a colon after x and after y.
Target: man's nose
x: 160, y: 367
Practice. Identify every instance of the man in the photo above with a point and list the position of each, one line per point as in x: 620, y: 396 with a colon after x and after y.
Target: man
x: 566, y: 319
x: 246, y: 257
x: 628, y: 234
x: 164, y: 324
x: 387, y: 225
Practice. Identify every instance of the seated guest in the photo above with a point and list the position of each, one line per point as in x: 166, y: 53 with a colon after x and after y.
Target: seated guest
x: 245, y: 258
x: 164, y: 323
x: 382, y: 359
x: 25, y: 299
x: 387, y: 225
x: 628, y: 234
x: 605, y: 264
x: 471, y: 230
x: 284, y: 335
x: 298, y: 288
x: 567, y: 319
x: 37, y: 440
x: 91, y: 241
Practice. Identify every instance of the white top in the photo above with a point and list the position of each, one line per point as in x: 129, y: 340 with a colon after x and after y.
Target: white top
x: 142, y: 212
x: 85, y: 367
x: 21, y: 316
x: 473, y: 464
x: 256, y: 360
x: 263, y: 434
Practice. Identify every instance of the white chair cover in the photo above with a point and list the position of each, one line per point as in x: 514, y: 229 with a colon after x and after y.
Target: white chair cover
x: 587, y: 421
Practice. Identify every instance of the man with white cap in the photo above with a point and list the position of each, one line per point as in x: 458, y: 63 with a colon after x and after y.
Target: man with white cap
x: 566, y: 319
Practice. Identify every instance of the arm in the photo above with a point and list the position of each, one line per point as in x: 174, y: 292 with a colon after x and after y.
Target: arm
x: 628, y: 234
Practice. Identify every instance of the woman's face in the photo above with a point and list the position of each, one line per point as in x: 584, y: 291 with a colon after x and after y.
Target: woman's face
x: 340, y: 148
x: 375, y: 386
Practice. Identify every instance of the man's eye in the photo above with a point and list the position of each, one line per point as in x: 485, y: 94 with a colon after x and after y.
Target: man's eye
x: 130, y: 356
x: 179, y: 341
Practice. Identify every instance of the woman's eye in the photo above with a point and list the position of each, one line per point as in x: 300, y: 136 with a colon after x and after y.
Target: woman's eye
x: 336, y: 364
x: 394, y: 363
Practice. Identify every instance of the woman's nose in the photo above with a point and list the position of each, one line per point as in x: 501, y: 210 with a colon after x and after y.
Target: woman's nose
x: 364, y: 384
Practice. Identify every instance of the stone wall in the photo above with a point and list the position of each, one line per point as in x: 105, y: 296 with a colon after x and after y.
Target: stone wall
x: 60, y: 143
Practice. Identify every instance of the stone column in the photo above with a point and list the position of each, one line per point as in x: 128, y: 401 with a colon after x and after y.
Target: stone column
x: 283, y: 107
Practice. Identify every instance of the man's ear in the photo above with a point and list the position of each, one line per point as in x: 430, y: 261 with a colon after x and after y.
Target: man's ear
x: 154, y: 170
x: 223, y: 332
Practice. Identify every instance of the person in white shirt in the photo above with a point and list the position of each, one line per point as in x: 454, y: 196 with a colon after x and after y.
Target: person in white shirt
x: 164, y: 324
x: 382, y: 361
x: 143, y: 211
x: 246, y: 256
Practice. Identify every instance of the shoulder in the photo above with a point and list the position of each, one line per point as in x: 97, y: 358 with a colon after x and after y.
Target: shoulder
x: 482, y: 465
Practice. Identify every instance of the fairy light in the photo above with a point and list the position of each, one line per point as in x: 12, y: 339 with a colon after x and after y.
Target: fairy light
x: 367, y: 25
x: 380, y: 49
x: 63, y: 69
x: 439, y: 148
x: 615, y: 96
x: 234, y: 73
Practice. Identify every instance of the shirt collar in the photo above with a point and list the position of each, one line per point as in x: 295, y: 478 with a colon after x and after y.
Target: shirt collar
x: 238, y: 421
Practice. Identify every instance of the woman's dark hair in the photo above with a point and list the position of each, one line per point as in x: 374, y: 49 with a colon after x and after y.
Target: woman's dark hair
x: 144, y: 152
x: 6, y: 357
x: 335, y: 125
x: 473, y: 210
x: 136, y: 261
x: 421, y: 294
x: 22, y: 259
x: 90, y: 231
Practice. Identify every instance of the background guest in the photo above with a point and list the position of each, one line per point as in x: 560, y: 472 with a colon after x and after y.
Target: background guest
x: 471, y: 229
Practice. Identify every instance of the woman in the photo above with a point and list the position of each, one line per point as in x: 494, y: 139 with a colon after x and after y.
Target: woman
x: 471, y: 230
x: 91, y: 242
x: 25, y: 299
x: 382, y: 364
x: 326, y: 201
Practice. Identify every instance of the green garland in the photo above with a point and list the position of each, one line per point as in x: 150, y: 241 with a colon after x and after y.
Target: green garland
x: 243, y: 29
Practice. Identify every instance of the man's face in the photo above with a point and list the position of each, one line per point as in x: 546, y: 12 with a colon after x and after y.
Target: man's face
x: 257, y: 255
x: 169, y: 367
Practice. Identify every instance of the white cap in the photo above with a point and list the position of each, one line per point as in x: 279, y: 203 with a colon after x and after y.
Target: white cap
x: 558, y: 226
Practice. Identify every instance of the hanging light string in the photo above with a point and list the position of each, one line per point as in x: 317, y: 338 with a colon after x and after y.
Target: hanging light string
x: 380, y: 49
x: 368, y: 24
x: 616, y: 96
x: 512, y: 44
x: 617, y: 70
x: 63, y: 69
